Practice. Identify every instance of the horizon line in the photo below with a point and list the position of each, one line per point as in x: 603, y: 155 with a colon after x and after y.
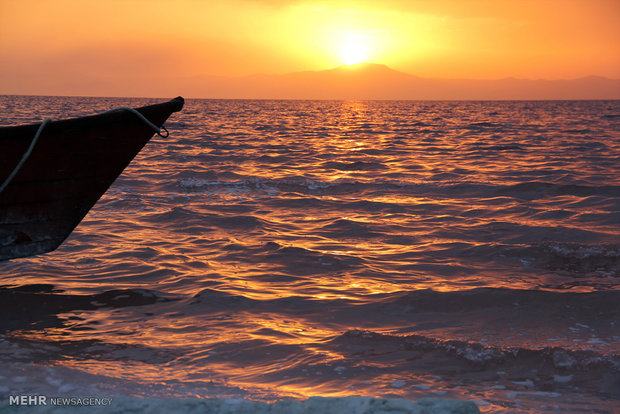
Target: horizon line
x: 310, y: 99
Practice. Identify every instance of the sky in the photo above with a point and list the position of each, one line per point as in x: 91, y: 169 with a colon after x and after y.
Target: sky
x: 108, y: 47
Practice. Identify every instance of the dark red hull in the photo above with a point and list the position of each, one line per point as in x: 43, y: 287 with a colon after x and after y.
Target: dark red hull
x: 71, y: 166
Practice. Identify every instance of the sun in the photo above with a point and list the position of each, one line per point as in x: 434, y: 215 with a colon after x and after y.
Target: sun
x: 353, y: 48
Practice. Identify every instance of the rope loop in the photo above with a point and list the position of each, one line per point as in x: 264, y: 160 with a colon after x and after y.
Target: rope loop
x: 165, y: 130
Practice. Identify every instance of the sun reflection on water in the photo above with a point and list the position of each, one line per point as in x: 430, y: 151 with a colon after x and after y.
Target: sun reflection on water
x: 274, y: 235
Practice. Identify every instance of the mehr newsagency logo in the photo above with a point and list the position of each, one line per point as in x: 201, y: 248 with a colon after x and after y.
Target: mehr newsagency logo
x: 30, y: 400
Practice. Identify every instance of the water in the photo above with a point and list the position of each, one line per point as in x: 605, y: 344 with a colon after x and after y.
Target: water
x: 275, y: 249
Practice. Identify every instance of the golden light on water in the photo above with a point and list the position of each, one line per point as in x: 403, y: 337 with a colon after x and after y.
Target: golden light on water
x: 320, y: 248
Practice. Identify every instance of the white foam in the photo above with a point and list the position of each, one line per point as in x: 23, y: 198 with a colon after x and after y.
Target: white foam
x: 397, y: 383
x: 562, y: 378
x: 526, y: 383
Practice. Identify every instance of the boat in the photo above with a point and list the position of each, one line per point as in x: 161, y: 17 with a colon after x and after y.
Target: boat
x: 52, y: 174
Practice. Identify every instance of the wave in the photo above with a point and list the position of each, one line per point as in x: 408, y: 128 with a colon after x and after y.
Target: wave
x: 548, y: 368
x: 36, y: 306
x: 580, y: 258
x: 498, y: 299
x: 562, y: 360
x: 527, y: 190
x: 530, y: 307
x: 610, y: 116
x: 538, y: 189
x: 354, y: 166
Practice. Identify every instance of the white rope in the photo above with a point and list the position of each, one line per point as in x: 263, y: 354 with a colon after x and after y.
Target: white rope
x: 26, y: 154
x: 48, y: 120
x: 142, y: 117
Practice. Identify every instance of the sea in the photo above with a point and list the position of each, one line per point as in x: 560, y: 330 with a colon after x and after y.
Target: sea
x: 279, y: 252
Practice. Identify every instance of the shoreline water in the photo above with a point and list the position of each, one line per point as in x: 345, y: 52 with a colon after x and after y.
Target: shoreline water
x: 323, y: 405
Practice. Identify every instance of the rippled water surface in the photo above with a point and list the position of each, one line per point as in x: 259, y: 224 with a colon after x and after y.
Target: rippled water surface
x: 272, y: 249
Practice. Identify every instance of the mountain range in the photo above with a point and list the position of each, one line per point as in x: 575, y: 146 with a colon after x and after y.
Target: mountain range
x: 376, y: 81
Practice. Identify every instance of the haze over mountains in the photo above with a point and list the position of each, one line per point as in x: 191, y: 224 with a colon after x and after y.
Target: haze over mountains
x: 376, y: 81
x: 361, y: 81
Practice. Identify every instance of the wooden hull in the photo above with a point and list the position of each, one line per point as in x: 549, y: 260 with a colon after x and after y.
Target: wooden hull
x: 70, y: 168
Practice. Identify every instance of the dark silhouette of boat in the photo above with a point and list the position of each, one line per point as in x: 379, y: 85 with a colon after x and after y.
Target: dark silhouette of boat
x: 45, y: 193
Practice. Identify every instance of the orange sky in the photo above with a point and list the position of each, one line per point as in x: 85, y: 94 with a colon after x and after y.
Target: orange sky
x: 110, y: 47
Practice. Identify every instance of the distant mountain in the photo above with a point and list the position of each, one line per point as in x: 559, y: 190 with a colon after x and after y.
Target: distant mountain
x: 375, y: 81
